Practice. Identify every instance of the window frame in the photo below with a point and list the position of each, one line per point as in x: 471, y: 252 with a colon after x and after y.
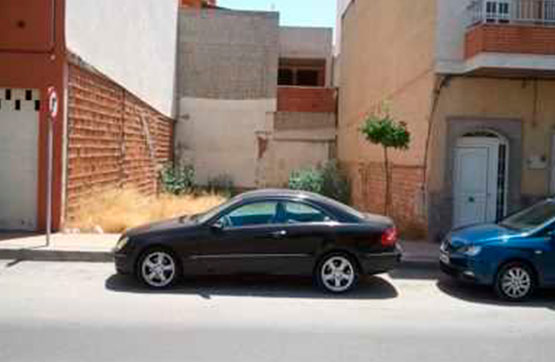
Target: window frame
x: 231, y: 209
x: 332, y: 218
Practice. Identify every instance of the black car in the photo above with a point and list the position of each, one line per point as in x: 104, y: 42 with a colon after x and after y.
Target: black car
x: 281, y: 232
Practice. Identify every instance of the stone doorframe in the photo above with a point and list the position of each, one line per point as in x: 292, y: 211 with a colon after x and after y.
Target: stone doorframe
x: 440, y: 210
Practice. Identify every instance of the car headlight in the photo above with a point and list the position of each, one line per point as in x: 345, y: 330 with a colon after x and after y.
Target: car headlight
x: 121, y: 243
x: 470, y: 250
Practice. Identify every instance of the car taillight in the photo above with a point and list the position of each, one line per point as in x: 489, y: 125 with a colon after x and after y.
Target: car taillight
x: 389, y: 237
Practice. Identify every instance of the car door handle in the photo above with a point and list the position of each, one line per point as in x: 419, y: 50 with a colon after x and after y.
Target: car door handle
x: 279, y: 234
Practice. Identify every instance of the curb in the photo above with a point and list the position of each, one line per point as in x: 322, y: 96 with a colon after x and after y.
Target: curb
x: 57, y: 255
x: 108, y: 257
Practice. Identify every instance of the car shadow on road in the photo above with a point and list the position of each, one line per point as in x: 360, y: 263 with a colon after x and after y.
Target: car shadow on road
x: 481, y: 294
x: 416, y: 271
x: 256, y: 286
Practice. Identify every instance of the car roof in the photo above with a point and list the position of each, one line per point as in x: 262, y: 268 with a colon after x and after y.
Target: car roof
x: 281, y: 193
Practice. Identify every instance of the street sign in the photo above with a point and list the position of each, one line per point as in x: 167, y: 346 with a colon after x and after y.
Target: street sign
x: 52, y: 102
x: 53, y: 105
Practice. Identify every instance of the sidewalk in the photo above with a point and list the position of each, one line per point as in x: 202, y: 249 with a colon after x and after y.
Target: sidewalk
x: 97, y: 248
x: 63, y: 247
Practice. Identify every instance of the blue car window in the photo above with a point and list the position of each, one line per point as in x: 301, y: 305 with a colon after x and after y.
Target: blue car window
x: 532, y: 217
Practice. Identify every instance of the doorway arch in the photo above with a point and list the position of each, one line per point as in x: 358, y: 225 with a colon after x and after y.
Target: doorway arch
x: 481, y: 169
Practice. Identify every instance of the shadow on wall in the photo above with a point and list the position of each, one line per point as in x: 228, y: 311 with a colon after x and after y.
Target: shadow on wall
x: 256, y: 286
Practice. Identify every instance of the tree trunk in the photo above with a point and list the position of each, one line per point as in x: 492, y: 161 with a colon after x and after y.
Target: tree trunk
x: 387, y: 200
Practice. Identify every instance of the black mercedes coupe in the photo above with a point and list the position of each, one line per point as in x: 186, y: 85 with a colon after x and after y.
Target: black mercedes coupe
x: 280, y: 232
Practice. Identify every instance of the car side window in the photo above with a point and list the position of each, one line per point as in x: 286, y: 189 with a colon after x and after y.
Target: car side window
x: 256, y: 213
x: 295, y: 212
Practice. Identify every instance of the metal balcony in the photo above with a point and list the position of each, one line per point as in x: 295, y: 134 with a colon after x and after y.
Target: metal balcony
x: 531, y: 12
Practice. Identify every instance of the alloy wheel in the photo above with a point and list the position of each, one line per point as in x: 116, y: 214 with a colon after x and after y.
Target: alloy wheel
x: 158, y: 269
x: 516, y: 282
x: 337, y: 274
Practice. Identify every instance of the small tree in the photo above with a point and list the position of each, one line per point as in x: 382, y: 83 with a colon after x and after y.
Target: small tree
x: 382, y: 129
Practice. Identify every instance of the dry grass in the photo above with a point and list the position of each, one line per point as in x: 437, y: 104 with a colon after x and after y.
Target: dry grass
x: 116, y: 210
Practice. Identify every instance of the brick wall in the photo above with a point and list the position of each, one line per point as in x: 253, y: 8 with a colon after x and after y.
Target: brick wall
x: 306, y: 99
x: 510, y: 39
x: 368, y: 194
x: 197, y: 3
x: 107, y: 138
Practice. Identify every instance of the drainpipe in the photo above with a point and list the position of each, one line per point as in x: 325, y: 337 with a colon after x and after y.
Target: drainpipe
x: 435, y: 102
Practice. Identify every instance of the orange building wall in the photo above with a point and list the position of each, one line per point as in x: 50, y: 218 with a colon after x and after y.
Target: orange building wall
x: 32, y: 55
x: 197, y: 3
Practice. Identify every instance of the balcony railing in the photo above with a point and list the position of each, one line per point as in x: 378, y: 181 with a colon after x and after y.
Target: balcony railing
x: 535, y: 12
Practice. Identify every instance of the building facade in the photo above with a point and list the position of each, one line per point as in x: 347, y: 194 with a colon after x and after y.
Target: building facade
x: 473, y: 80
x: 255, y: 99
x: 114, y: 81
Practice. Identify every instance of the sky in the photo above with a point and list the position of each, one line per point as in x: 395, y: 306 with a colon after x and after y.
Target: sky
x: 292, y: 12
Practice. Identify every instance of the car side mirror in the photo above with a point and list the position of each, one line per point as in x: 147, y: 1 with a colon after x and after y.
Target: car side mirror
x: 217, y: 226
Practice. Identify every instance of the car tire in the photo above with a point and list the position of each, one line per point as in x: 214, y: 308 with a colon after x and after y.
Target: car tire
x: 158, y: 268
x: 337, y: 273
x: 515, y: 282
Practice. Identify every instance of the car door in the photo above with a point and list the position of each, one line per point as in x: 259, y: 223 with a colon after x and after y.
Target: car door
x: 302, y: 230
x: 239, y: 238
x: 544, y: 255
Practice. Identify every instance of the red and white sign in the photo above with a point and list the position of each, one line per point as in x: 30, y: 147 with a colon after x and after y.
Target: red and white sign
x: 52, y: 102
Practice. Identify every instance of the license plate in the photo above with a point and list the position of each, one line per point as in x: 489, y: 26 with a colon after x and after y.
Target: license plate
x: 444, y: 258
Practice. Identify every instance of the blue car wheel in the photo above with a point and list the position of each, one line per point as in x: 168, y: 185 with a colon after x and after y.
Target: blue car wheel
x: 515, y: 281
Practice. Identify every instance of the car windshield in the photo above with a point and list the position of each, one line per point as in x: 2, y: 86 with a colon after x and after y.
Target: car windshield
x: 531, y: 217
x: 201, y: 218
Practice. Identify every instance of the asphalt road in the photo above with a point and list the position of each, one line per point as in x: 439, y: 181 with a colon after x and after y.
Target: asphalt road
x: 83, y: 312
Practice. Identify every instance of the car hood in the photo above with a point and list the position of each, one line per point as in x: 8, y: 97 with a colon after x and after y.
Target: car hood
x: 481, y: 234
x: 178, y: 223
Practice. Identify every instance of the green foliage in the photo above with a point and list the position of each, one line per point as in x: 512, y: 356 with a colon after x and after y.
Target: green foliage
x: 381, y: 129
x: 385, y: 131
x: 307, y: 179
x: 178, y: 179
x: 327, y: 180
x: 221, y: 184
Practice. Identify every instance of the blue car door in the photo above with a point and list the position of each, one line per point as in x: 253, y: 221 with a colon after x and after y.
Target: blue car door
x: 544, y: 257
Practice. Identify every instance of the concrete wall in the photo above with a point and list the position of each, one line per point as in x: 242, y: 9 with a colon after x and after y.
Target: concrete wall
x: 224, y: 137
x: 131, y: 41
x: 340, y: 10
x: 452, y: 20
x: 520, y: 110
x: 227, y: 54
x: 227, y: 88
x: 307, y: 43
x: 286, y: 154
x: 299, y: 140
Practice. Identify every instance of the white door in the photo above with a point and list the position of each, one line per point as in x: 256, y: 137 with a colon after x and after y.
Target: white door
x: 19, y: 127
x: 475, y: 180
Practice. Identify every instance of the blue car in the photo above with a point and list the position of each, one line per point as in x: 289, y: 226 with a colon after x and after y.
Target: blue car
x: 514, y: 256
